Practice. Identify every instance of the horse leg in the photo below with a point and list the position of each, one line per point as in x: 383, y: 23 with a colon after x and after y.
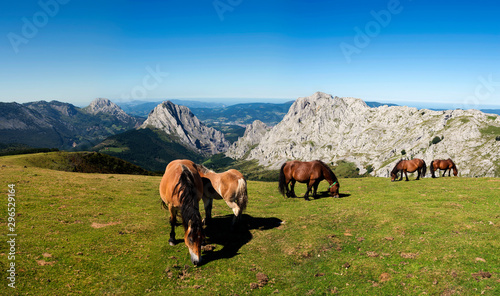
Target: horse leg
x: 236, y: 211
x: 401, y: 178
x: 173, y: 218
x: 292, y: 188
x: 444, y: 172
x: 418, y: 174
x: 309, y: 187
x: 315, y: 189
x: 207, y: 204
x: 406, y: 174
x: 449, y: 172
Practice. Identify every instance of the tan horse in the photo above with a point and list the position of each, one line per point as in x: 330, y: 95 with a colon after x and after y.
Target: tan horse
x: 447, y: 164
x: 409, y: 166
x: 310, y: 172
x: 181, y: 188
x: 229, y: 185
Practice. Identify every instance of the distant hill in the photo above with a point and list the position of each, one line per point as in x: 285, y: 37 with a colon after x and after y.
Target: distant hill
x: 377, y: 104
x: 491, y: 111
x: 148, y: 148
x: 243, y: 114
x: 61, y: 125
x: 142, y: 109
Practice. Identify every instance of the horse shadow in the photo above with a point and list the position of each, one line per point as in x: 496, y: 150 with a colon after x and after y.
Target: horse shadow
x: 324, y: 194
x: 219, y: 232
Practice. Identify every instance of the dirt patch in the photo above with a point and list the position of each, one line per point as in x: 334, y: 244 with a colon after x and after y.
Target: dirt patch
x: 384, y: 277
x: 44, y: 263
x: 262, y: 280
x: 409, y: 255
x: 98, y: 225
x: 481, y: 275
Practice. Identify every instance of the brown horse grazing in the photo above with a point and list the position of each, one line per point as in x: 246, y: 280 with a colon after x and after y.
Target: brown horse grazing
x: 410, y: 166
x: 446, y: 164
x: 310, y: 172
x: 229, y: 185
x: 181, y: 188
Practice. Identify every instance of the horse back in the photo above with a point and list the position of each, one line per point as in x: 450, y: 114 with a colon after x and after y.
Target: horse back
x: 170, y: 180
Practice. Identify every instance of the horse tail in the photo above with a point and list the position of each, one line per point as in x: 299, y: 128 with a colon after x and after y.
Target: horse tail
x: 424, y: 169
x: 242, y: 194
x: 282, y: 180
x: 432, y: 168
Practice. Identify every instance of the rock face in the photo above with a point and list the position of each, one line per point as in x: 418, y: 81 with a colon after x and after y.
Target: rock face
x: 253, y: 135
x: 180, y: 122
x: 332, y: 129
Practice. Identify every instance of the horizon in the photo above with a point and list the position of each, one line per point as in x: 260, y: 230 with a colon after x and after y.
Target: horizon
x: 398, y: 52
x: 234, y: 101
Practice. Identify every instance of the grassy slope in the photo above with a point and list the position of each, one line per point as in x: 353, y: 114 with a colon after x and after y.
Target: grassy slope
x: 401, y: 238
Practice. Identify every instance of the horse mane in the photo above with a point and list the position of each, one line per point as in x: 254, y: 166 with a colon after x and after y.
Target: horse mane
x: 330, y: 172
x: 394, y: 170
x: 188, y: 199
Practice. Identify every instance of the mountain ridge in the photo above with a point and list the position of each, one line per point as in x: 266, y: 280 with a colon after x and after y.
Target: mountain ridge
x: 332, y: 129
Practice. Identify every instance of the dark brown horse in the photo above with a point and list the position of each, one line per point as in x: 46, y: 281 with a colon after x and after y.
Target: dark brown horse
x: 409, y: 166
x: 181, y: 188
x: 441, y: 164
x: 310, y: 172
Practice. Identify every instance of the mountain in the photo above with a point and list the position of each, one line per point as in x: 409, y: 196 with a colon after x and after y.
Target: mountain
x: 334, y: 129
x: 180, y: 123
x: 243, y: 114
x: 149, y: 148
x: 61, y: 125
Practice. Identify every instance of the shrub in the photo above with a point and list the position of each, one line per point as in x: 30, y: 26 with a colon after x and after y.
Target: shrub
x: 345, y: 169
x: 436, y: 140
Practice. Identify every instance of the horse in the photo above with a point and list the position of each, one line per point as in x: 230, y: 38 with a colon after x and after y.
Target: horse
x: 229, y: 185
x: 310, y: 172
x: 181, y: 188
x: 411, y: 166
x: 441, y: 164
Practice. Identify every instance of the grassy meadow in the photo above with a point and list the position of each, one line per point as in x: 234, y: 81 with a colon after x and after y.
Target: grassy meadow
x: 105, y: 234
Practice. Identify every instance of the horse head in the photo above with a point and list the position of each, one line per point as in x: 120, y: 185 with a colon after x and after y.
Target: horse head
x: 334, y: 189
x: 193, y: 238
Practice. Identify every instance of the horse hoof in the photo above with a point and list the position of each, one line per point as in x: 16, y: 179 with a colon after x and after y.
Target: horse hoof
x: 171, y: 242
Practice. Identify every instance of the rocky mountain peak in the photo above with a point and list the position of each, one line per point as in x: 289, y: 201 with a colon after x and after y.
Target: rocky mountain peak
x: 332, y: 129
x: 178, y: 121
x: 253, y: 135
x: 104, y: 106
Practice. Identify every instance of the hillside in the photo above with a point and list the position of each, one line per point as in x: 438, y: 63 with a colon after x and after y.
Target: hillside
x: 335, y: 129
x: 61, y: 125
x: 151, y: 149
x: 94, y: 234
x: 181, y: 124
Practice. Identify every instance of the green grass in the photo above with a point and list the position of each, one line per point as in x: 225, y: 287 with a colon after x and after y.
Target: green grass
x: 94, y: 234
x: 490, y: 130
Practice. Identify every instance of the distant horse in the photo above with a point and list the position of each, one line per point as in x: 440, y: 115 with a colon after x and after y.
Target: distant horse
x: 440, y: 164
x: 410, y: 166
x: 310, y: 172
x: 229, y: 185
x: 182, y: 188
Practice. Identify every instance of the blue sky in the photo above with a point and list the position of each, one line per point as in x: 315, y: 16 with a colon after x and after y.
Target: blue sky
x: 388, y: 51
